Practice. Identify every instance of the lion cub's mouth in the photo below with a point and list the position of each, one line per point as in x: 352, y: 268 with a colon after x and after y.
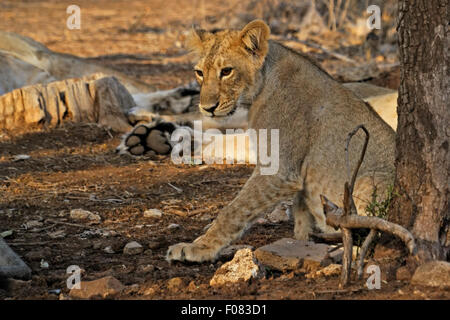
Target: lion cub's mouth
x: 222, y: 111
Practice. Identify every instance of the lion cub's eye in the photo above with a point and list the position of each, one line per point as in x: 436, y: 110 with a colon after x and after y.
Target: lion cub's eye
x: 199, y: 73
x: 225, y: 72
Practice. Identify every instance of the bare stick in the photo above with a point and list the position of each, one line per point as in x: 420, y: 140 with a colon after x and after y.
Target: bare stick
x: 337, y: 220
x: 347, y: 240
x: 363, y: 252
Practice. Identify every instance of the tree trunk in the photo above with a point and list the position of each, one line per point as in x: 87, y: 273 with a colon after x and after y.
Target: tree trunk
x: 422, y: 158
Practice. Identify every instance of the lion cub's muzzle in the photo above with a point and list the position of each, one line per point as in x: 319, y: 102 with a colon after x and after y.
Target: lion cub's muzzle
x: 217, y: 110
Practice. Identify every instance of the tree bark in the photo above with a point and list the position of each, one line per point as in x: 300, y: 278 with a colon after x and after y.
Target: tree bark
x: 422, y: 157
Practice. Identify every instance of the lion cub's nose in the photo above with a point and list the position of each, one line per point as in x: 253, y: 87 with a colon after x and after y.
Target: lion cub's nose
x: 210, y: 108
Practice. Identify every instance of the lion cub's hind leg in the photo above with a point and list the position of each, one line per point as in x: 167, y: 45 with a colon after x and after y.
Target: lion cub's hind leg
x: 303, y: 222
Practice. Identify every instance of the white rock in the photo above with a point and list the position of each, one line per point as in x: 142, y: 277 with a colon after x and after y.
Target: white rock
x: 153, y: 213
x: 21, y: 157
x: 133, y: 248
x: 173, y: 226
x: 44, y: 264
x: 243, y: 267
x: 109, y: 250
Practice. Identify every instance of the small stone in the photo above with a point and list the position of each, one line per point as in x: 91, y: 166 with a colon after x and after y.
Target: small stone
x: 154, y: 245
x: 149, y: 291
x: 173, y: 226
x: 133, y: 248
x: 261, y: 221
x: 32, y: 224
x: 44, y: 264
x: 80, y: 214
x: 243, y: 267
x: 107, y: 287
x: 403, y: 274
x: 108, y: 250
x: 432, y: 274
x: 153, y: 213
x: 175, y: 284
x: 146, y: 268
x: 328, y: 271
x: 21, y: 157
x: 6, y: 234
x: 290, y: 254
x: 59, y: 234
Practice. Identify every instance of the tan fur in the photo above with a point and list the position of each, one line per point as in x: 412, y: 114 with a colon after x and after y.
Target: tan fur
x: 314, y: 114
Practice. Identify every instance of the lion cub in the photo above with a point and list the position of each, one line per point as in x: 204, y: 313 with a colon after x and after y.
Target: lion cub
x: 284, y: 90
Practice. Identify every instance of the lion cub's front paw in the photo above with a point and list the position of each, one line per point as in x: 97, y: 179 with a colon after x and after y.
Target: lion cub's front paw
x: 190, y: 252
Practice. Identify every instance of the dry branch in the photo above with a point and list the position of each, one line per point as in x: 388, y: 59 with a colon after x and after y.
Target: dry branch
x: 347, y: 219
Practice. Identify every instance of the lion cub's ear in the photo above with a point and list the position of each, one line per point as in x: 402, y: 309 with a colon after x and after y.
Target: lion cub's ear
x: 194, y: 41
x: 254, y: 38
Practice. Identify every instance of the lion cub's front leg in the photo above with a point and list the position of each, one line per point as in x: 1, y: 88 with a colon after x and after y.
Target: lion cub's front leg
x: 258, y: 194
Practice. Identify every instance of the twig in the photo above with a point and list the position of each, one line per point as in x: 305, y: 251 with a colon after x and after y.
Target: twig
x: 362, y: 253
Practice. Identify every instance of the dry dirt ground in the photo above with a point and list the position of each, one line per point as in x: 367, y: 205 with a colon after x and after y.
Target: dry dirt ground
x: 75, y: 166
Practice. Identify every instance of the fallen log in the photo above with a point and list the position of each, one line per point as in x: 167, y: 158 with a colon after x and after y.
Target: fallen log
x: 94, y: 99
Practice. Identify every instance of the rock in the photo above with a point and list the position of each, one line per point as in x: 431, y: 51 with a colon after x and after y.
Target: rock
x: 107, y: 287
x: 32, y: 224
x: 59, y: 234
x: 228, y: 253
x: 109, y: 250
x: 80, y: 214
x: 261, y: 221
x: 153, y: 213
x: 133, y: 248
x: 432, y: 274
x: 175, y: 284
x: 44, y: 264
x: 403, y: 274
x: 153, y: 245
x: 243, y: 267
x: 21, y: 157
x: 328, y: 271
x: 173, y: 226
x: 289, y: 254
x: 146, y: 268
x: 6, y: 234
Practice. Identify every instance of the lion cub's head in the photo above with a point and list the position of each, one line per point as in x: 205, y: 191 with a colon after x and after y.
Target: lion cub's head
x: 227, y: 63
